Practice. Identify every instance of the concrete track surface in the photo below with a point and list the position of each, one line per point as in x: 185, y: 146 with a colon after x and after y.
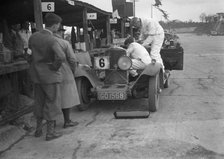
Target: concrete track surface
x: 188, y: 125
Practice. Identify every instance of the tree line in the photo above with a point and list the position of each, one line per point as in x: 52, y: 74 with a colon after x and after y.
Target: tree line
x: 208, y: 18
x: 179, y: 24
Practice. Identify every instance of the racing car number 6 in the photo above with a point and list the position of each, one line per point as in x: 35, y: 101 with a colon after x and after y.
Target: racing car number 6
x: 102, y: 62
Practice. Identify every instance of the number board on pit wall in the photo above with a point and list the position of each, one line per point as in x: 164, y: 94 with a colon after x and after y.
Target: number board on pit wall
x: 102, y: 62
x: 47, y: 6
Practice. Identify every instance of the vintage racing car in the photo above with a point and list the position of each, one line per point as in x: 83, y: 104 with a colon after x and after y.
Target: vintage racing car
x: 108, y: 77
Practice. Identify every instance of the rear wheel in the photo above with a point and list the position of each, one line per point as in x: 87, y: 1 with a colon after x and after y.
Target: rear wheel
x: 153, y: 93
x: 84, y: 90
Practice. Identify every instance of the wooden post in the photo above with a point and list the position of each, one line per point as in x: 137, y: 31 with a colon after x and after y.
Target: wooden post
x: 134, y: 8
x: 131, y: 31
x: 78, y: 34
x: 38, y: 14
x: 125, y: 28
x: 122, y: 27
x: 85, y: 28
x: 108, y: 30
x: 151, y: 10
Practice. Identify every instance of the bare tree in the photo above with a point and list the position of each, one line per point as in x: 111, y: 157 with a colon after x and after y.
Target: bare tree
x: 209, y: 18
x: 202, y: 17
x: 157, y: 5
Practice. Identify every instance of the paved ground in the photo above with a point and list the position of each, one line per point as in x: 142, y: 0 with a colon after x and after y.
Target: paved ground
x: 188, y: 125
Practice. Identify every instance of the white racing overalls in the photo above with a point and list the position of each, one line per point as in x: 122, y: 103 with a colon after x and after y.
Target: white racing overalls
x: 152, y: 33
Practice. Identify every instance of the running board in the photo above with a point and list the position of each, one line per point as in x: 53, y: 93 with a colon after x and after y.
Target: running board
x: 131, y: 114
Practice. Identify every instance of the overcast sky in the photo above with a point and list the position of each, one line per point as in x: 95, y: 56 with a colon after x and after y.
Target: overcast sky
x: 183, y: 10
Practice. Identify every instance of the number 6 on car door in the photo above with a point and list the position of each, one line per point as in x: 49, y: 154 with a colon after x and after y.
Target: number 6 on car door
x: 102, y: 62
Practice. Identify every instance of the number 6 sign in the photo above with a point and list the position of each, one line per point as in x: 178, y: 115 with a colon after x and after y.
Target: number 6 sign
x: 102, y: 62
x: 47, y: 6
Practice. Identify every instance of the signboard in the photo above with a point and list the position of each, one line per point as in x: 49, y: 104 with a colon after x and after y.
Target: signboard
x: 47, y: 6
x: 89, y: 28
x: 113, y: 21
x: 119, y: 41
x: 91, y: 16
x: 127, y: 24
x: 102, y: 62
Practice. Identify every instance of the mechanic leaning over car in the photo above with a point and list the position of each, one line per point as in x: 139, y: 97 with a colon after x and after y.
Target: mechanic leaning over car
x: 152, y: 33
x: 138, y: 54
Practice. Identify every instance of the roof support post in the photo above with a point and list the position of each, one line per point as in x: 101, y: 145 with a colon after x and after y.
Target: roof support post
x: 108, y: 30
x: 78, y: 34
x: 122, y: 27
x: 38, y: 14
x: 85, y: 28
x: 131, y: 30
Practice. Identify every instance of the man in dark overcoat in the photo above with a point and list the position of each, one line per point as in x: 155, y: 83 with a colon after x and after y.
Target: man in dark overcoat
x: 46, y: 60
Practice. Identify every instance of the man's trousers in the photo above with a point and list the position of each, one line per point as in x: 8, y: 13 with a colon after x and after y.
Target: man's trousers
x: 47, y: 101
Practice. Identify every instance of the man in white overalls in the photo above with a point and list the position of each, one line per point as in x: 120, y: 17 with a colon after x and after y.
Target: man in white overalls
x: 152, y: 33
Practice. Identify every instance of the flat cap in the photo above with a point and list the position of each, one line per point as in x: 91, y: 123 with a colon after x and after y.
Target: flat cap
x: 129, y: 40
x: 51, y: 18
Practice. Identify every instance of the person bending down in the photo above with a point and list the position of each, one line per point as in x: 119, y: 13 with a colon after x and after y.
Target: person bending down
x: 138, y: 54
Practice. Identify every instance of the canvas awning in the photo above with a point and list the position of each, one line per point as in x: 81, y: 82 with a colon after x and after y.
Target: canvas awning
x: 18, y: 11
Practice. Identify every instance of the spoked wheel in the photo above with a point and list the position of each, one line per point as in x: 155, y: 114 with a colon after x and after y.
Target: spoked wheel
x: 84, y: 90
x: 153, y: 93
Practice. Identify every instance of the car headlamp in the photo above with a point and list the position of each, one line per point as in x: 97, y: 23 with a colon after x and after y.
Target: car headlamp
x: 124, y: 63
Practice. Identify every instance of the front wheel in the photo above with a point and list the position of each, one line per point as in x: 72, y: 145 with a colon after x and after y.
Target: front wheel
x: 153, y: 93
x: 84, y: 90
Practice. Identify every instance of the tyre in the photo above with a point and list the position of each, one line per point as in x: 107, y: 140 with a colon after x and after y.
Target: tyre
x: 153, y: 93
x: 84, y: 90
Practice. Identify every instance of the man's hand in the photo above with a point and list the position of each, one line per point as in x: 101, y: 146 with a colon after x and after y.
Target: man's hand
x: 55, y: 65
x: 153, y: 61
x: 139, y: 59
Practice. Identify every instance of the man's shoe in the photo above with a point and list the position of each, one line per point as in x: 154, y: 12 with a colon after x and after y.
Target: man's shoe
x: 52, y: 136
x: 39, y: 126
x: 70, y: 124
x: 51, y: 133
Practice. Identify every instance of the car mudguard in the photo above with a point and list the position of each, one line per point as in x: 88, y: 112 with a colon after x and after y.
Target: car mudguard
x: 151, y: 70
x: 87, y: 72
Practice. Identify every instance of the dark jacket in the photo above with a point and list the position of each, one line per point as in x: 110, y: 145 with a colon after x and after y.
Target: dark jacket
x: 47, y: 58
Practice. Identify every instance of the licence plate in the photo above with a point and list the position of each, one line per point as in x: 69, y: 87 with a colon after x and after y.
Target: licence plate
x: 112, y: 95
